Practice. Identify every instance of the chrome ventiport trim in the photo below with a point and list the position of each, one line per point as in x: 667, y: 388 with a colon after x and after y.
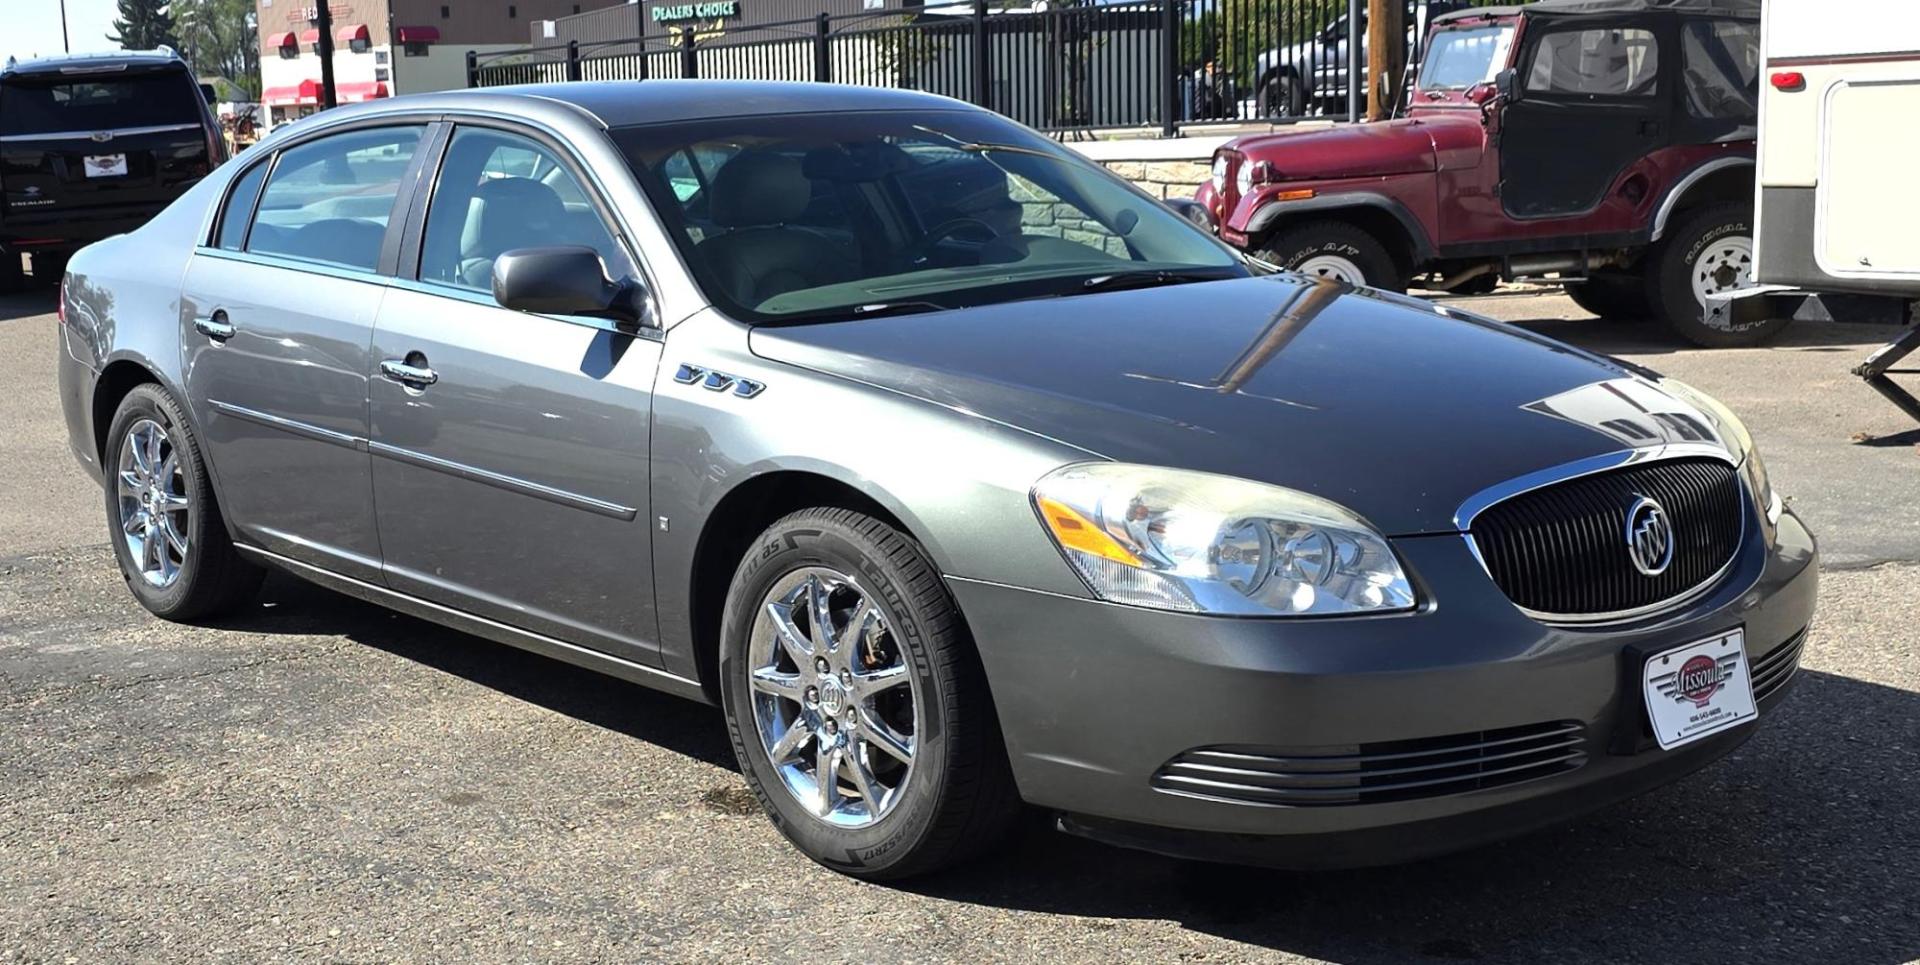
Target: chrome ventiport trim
x: 1487, y: 498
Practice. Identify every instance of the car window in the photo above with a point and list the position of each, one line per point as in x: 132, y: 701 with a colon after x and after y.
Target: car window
x: 1608, y: 62
x: 329, y: 200
x: 815, y: 216
x: 1721, y: 61
x: 1461, y: 58
x: 30, y: 106
x: 234, y: 217
x: 499, y: 191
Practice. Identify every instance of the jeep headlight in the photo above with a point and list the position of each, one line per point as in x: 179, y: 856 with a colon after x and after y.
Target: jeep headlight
x: 1195, y: 542
x: 1219, y: 174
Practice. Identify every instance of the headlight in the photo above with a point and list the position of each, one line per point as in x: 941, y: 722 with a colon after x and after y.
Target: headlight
x: 1764, y: 498
x: 1243, y: 179
x: 1200, y: 543
x: 1219, y: 173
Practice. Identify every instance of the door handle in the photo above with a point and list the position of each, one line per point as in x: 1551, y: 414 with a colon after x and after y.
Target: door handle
x: 215, y: 326
x: 408, y: 374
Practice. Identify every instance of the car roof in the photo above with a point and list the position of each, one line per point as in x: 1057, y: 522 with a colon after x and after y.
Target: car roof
x: 624, y: 103
x: 91, y: 63
x: 1730, y: 9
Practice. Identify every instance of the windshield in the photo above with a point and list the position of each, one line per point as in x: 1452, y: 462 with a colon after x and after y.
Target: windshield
x: 1459, y: 59
x: 821, y: 216
x: 32, y: 106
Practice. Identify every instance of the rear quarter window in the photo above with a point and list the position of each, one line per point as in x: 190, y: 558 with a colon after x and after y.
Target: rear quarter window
x: 30, y: 105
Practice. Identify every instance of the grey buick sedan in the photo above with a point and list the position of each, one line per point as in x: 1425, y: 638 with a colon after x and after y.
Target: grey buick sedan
x: 955, y: 470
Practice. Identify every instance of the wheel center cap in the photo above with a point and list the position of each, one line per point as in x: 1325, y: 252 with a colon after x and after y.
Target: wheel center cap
x: 833, y: 699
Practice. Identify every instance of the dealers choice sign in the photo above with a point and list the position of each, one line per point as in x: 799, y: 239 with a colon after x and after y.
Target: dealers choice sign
x: 711, y: 10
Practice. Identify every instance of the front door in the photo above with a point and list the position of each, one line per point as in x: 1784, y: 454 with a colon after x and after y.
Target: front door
x: 510, y: 450
x: 277, y: 327
x: 1591, y: 102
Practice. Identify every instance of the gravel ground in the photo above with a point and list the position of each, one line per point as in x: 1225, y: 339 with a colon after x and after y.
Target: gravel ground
x: 320, y: 779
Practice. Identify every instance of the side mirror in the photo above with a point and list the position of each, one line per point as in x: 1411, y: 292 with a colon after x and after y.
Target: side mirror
x: 566, y: 280
x: 1193, y: 211
x: 1507, y: 84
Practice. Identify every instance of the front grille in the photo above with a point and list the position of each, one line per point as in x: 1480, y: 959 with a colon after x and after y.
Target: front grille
x: 1561, y: 550
x: 1773, y: 669
x: 1374, y: 773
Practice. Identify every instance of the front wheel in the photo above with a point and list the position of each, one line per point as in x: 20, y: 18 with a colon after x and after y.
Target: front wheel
x: 1710, y: 252
x: 1281, y: 96
x: 858, y: 709
x: 1337, y: 251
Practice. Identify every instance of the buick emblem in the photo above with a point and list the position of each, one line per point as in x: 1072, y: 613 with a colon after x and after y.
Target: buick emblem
x: 1649, y: 537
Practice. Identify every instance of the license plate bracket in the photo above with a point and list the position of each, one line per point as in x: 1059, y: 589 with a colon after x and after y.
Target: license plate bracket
x: 105, y: 165
x: 1697, y: 689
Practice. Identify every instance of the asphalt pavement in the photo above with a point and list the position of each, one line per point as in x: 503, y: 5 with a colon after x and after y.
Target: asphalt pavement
x: 320, y: 779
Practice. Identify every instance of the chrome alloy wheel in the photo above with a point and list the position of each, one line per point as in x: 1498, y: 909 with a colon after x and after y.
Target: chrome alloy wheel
x: 1723, y: 265
x: 154, y: 508
x: 833, y: 697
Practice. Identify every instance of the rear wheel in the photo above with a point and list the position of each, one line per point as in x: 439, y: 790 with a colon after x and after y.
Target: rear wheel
x: 1611, y: 296
x: 1337, y: 251
x: 857, y: 707
x: 166, y: 527
x: 1711, y: 251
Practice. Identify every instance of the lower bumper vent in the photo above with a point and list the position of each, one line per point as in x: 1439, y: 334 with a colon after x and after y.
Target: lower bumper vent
x: 1773, y: 669
x: 1375, y: 773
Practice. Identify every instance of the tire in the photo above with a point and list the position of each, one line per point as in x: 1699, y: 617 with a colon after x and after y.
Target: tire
x: 207, y: 575
x: 1281, y: 96
x: 12, y: 276
x: 1335, y: 249
x: 1611, y: 296
x: 956, y: 799
x: 1712, y: 245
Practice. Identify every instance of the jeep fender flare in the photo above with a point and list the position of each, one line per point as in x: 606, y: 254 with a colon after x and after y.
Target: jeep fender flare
x: 1678, y: 193
x: 1421, y: 247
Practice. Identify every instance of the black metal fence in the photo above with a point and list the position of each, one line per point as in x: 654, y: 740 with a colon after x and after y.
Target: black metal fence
x: 1137, y: 63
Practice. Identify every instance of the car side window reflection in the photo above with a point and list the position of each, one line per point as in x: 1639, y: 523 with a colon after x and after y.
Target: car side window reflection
x: 329, y: 200
x: 499, y: 191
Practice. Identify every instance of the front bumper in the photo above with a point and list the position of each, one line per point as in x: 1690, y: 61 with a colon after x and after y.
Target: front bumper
x: 1094, y: 699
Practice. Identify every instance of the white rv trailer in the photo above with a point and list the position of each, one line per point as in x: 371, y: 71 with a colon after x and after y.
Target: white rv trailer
x: 1837, y: 229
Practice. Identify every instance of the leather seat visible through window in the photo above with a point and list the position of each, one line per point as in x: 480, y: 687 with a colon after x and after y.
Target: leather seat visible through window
x: 504, y: 214
x: 756, y: 196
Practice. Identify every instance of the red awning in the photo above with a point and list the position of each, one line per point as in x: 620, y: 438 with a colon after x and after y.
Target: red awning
x: 283, y: 39
x: 419, y: 35
x: 305, y: 92
x: 310, y: 36
x: 350, y: 33
x: 366, y: 91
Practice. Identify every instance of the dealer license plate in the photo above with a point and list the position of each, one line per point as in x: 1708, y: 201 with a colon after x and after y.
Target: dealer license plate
x: 106, y: 165
x: 1699, y: 689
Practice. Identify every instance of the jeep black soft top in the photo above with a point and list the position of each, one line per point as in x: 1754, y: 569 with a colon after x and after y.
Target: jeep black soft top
x: 1728, y: 9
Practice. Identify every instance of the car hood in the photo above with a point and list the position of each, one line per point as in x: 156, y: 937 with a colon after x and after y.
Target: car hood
x: 1401, y: 146
x: 1398, y: 410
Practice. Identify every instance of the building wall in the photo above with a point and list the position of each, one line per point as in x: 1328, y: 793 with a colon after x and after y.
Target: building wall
x: 471, y: 22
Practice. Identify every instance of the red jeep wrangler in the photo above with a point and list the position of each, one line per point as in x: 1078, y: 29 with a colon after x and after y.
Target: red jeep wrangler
x: 1609, y: 142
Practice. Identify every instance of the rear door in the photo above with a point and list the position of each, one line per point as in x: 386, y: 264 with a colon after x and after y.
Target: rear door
x: 85, y: 138
x: 1592, y: 102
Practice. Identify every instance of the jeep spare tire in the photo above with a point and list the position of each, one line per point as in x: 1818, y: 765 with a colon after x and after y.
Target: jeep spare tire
x: 1710, y: 251
x: 1337, y: 251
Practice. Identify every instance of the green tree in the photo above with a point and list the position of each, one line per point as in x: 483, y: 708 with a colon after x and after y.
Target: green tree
x: 143, y: 25
x: 220, y: 38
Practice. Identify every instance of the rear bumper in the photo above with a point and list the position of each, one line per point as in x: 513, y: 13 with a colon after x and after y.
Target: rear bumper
x: 1095, y: 700
x: 68, y: 230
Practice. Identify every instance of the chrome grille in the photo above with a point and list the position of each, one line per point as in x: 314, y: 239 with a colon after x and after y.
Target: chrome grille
x: 1772, y: 670
x: 1374, y: 773
x: 1561, y: 550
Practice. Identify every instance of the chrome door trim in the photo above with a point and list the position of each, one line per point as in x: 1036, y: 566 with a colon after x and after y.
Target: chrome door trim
x: 511, y: 484
x: 493, y: 630
x: 297, y: 428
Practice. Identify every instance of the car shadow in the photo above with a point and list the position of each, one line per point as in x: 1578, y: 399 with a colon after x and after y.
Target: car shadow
x: 35, y: 300
x: 287, y: 605
x: 1801, y: 845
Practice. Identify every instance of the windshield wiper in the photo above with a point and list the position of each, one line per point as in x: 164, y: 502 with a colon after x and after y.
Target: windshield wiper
x: 1151, y: 278
x: 869, y: 310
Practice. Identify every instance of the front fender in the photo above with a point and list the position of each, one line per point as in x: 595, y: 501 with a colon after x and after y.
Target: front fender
x: 1263, y: 212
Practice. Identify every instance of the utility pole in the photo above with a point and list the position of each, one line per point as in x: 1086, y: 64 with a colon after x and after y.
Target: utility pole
x: 65, y: 44
x: 323, y: 19
x: 1386, y: 42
